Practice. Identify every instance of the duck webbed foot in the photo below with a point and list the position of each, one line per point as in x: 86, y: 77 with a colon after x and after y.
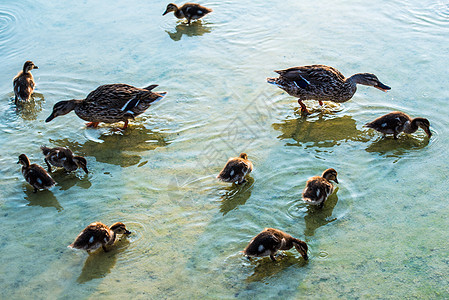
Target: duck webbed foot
x: 92, y: 124
x: 304, y: 109
x: 320, y: 102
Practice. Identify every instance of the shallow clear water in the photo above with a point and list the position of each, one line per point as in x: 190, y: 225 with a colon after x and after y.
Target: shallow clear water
x: 383, y: 234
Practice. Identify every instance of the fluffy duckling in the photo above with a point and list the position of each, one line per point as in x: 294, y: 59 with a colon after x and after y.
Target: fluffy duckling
x: 322, y: 83
x: 397, y: 122
x: 109, y: 103
x: 97, y: 234
x: 236, y: 169
x: 63, y: 158
x: 35, y: 174
x: 24, y: 82
x: 318, y: 188
x: 190, y: 11
x: 270, y: 240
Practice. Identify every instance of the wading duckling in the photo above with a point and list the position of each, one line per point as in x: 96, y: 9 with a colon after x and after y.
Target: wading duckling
x: 109, y: 103
x: 190, y: 11
x: 97, y: 234
x: 24, y: 82
x: 322, y: 83
x: 270, y: 240
x: 63, y: 158
x: 35, y: 174
x: 236, y: 169
x: 318, y: 188
x: 397, y: 122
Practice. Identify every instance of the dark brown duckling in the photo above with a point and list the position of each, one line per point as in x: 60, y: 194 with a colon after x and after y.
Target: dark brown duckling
x: 24, y: 82
x: 190, y: 11
x: 318, y: 188
x: 35, y: 174
x: 236, y: 169
x: 271, y: 240
x: 63, y: 158
x: 397, y: 122
x: 98, y: 235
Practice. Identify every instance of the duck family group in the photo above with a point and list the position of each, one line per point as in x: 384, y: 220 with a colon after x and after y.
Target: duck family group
x: 113, y: 103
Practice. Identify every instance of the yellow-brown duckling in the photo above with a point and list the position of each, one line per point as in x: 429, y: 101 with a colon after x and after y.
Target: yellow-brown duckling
x: 63, y: 158
x: 109, y: 103
x: 318, y: 188
x: 322, y: 83
x: 236, y: 169
x: 24, y: 82
x: 397, y: 122
x: 35, y: 174
x: 271, y: 240
x: 190, y: 11
x: 98, y: 235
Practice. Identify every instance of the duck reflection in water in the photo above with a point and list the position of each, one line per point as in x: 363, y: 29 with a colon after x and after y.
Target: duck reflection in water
x: 67, y: 180
x: 317, y: 217
x: 118, y: 149
x: 236, y: 195
x: 43, y: 199
x: 397, y: 148
x: 30, y: 109
x: 196, y: 28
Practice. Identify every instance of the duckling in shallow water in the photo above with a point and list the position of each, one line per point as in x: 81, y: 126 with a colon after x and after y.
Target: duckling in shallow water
x: 98, y: 235
x: 236, y: 169
x: 35, y: 174
x: 397, y: 122
x: 271, y: 240
x: 24, y: 82
x: 318, y: 188
x: 190, y: 11
x: 63, y: 158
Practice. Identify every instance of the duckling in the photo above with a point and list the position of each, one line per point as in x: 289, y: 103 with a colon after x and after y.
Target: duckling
x: 24, y: 82
x: 236, y: 169
x: 109, y: 103
x: 270, y: 240
x: 322, y: 83
x: 397, y: 122
x: 318, y: 188
x: 35, y: 174
x: 97, y: 234
x: 63, y: 157
x: 190, y: 11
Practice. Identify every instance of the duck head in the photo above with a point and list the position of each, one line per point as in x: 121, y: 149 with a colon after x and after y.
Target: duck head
x: 370, y: 80
x: 302, y: 248
x: 330, y: 174
x: 23, y: 160
x: 62, y: 108
x: 119, y: 228
x: 81, y: 162
x: 170, y: 7
x: 243, y: 155
x: 424, y: 124
x: 28, y: 66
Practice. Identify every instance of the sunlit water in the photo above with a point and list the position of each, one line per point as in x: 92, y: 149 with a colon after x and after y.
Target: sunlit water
x: 383, y: 234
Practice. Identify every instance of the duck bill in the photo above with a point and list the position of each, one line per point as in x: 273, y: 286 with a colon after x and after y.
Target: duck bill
x: 85, y: 170
x: 428, y: 132
x: 382, y: 87
x: 127, y: 232
x: 336, y: 180
x: 166, y: 12
x: 35, y: 67
x: 51, y: 117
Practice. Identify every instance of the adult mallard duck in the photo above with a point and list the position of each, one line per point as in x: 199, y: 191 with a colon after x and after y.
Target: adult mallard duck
x: 397, y: 122
x: 190, y: 11
x: 318, y: 188
x: 35, y: 174
x: 63, y: 158
x: 270, y: 241
x: 98, y: 235
x: 109, y: 103
x: 24, y: 82
x: 236, y: 169
x: 322, y: 83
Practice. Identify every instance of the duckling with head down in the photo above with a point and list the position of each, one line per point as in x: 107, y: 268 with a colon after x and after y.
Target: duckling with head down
x: 190, y: 11
x: 236, y: 169
x: 322, y: 83
x: 64, y: 158
x: 397, y: 122
x: 318, y: 188
x: 270, y: 241
x: 109, y: 103
x: 98, y: 235
x: 24, y: 82
x: 35, y: 174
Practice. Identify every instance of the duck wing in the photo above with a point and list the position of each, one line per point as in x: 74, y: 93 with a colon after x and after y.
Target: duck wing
x: 38, y: 177
x: 317, y: 189
x: 95, y: 233
x: 311, y: 75
x: 233, y: 170
x: 389, y: 121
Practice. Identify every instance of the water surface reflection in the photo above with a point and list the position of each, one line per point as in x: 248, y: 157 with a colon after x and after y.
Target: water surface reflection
x: 197, y: 28
x: 42, y: 198
x: 317, y: 217
x: 236, y: 195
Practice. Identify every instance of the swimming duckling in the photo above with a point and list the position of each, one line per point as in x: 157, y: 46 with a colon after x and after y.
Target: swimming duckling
x: 97, y: 234
x: 64, y: 158
x: 190, y: 11
x: 318, y: 188
x: 35, y: 174
x: 236, y: 169
x: 322, y: 83
x: 270, y: 240
x: 397, y: 122
x: 24, y: 82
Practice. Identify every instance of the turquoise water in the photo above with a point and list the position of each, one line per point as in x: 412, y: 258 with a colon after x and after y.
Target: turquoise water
x: 382, y: 234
